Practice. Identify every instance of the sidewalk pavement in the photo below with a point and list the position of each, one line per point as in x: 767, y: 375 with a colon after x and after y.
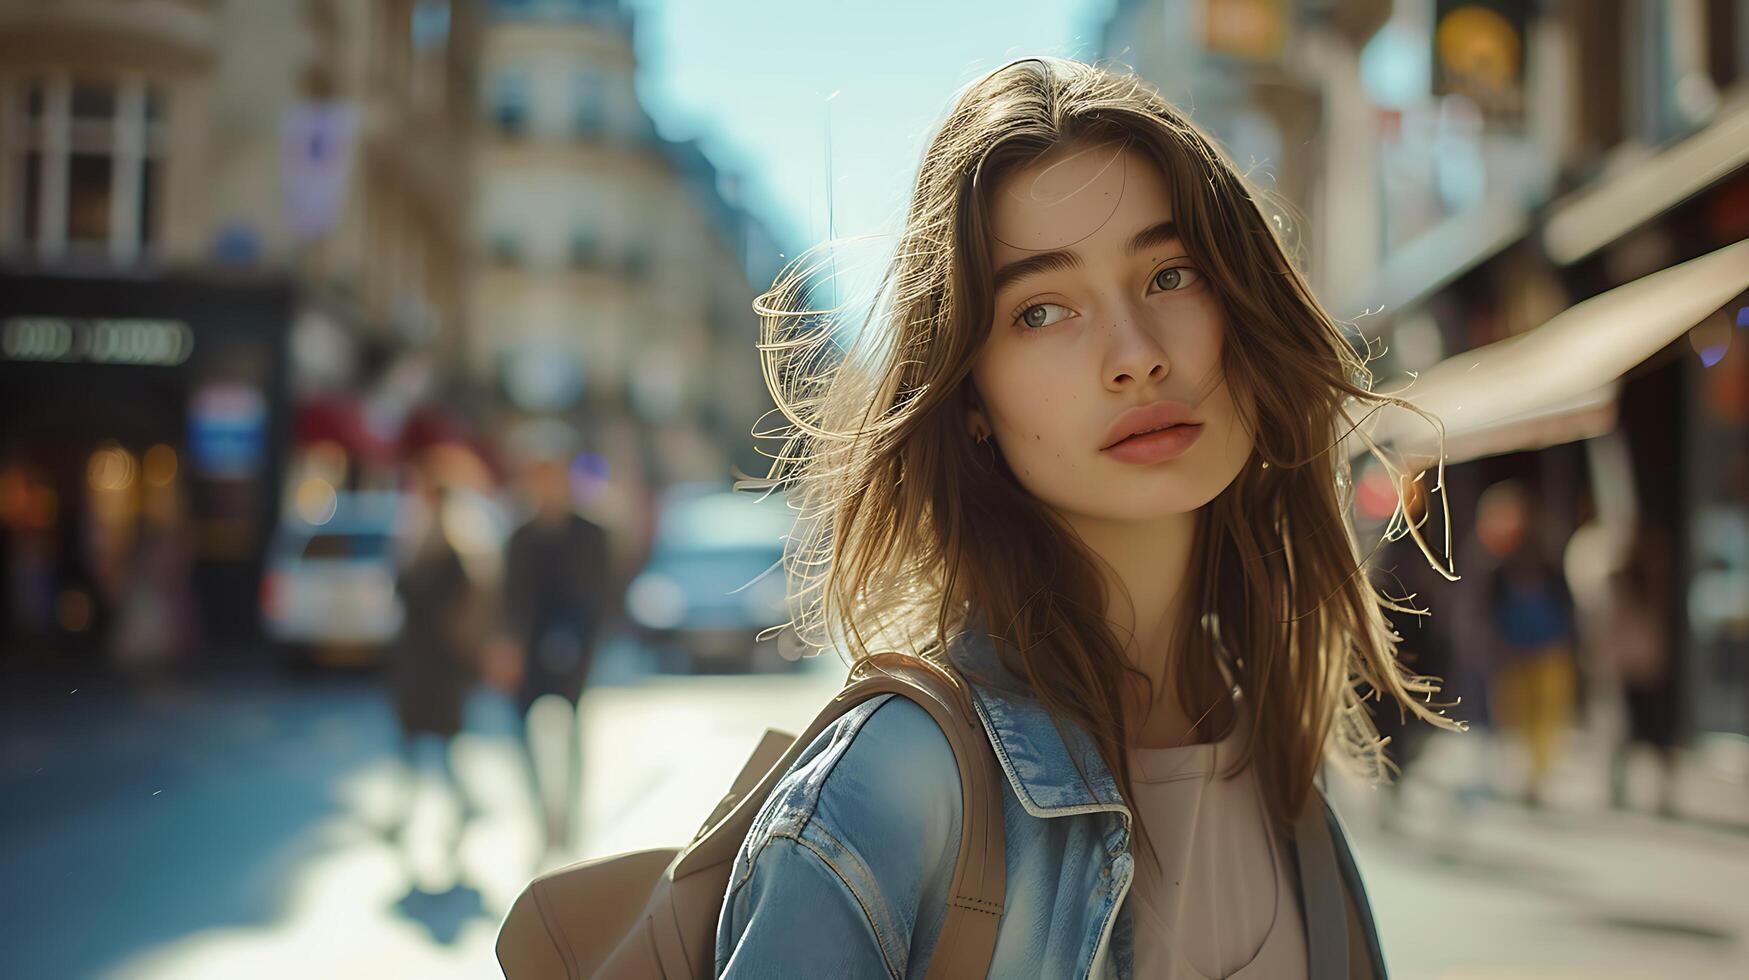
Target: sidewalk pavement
x: 1467, y: 883
x: 237, y: 832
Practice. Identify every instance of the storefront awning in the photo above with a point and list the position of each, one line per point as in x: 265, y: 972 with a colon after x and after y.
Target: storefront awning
x: 1586, y: 417
x: 1417, y: 270
x: 1589, y: 219
x: 1558, y: 370
x: 338, y: 418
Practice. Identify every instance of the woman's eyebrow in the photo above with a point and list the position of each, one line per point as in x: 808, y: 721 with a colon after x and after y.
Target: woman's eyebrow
x: 1010, y: 273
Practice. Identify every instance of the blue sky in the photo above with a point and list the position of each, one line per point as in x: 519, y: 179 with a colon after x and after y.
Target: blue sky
x: 755, y: 82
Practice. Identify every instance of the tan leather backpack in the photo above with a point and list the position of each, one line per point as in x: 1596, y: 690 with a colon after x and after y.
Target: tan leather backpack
x: 653, y: 914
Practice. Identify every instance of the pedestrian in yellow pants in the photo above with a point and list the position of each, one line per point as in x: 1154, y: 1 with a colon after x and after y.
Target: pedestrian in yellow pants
x: 1534, y: 695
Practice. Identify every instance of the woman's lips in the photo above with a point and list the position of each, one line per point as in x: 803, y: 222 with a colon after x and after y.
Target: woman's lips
x: 1155, y: 447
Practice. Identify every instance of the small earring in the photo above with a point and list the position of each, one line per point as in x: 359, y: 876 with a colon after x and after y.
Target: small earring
x: 984, y: 442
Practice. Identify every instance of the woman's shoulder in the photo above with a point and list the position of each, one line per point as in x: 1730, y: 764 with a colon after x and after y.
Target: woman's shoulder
x: 862, y: 831
x: 884, y: 763
x: 879, y: 788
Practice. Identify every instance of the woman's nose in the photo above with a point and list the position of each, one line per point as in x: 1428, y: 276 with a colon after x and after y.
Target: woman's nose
x: 1134, y: 355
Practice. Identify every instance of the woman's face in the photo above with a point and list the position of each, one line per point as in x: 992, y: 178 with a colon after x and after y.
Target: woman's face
x: 1103, y: 326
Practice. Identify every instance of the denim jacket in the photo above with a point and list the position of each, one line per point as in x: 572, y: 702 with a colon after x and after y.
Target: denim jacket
x: 846, y: 870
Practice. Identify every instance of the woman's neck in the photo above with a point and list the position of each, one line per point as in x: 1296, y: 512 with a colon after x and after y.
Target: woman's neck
x: 1146, y: 566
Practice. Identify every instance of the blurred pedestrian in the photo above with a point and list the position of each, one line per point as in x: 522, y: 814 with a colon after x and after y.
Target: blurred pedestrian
x: 29, y: 556
x: 555, y: 582
x: 429, y: 669
x: 1534, y: 684
x: 1624, y: 611
x: 158, y: 621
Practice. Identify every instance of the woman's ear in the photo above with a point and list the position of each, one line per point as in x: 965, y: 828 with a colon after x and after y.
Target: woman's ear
x: 977, y: 424
x: 977, y: 420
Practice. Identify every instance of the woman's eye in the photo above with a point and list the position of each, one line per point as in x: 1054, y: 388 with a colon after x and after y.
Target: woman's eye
x: 1040, y: 315
x: 1177, y: 277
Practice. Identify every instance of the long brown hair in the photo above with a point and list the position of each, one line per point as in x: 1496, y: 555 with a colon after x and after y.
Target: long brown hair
x: 906, y: 525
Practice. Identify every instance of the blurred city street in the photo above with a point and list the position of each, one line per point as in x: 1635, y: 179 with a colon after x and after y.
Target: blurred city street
x: 1472, y: 886
x: 429, y: 437
x: 241, y: 828
x: 236, y: 829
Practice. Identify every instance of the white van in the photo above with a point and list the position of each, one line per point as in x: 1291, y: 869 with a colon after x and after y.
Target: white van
x: 328, y: 591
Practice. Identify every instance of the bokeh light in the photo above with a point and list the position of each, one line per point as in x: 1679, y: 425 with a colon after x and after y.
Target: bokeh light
x: 317, y: 501
x: 160, y: 465
x: 111, y: 469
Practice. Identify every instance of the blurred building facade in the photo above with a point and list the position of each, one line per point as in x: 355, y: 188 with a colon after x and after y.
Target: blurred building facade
x: 615, y: 269
x: 213, y: 213
x: 1611, y: 142
x: 1472, y: 168
x: 308, y: 138
x: 1275, y: 81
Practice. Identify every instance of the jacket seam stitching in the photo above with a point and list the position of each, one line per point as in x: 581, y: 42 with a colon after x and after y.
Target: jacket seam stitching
x: 766, y: 820
x: 880, y: 940
x: 851, y: 857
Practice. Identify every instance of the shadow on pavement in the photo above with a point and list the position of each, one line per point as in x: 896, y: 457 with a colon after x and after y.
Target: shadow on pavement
x: 443, y: 914
x: 133, y: 819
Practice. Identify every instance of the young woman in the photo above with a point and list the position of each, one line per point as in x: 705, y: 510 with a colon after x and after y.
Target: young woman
x: 1088, y: 453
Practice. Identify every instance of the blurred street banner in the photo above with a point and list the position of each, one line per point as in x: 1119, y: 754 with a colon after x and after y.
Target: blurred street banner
x: 1479, y: 53
x: 316, y: 140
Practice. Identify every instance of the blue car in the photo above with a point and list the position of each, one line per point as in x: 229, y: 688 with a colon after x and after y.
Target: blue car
x: 714, y: 583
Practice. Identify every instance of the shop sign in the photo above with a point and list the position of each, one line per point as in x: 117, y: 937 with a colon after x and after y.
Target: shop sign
x: 158, y: 343
x: 1479, y: 53
x: 227, y: 430
x: 1253, y: 30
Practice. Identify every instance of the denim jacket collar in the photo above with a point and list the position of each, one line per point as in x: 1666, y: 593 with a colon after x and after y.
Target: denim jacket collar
x: 1039, y: 759
x: 1040, y: 762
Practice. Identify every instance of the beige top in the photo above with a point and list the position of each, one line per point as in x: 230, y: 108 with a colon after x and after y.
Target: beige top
x: 1225, y: 902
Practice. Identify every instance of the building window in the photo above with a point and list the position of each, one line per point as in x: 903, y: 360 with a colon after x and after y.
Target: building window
x: 93, y: 102
x: 635, y: 261
x: 590, y: 115
x: 641, y: 128
x: 429, y: 20
x: 150, y: 170
x: 631, y: 125
x: 510, y: 103
x: 33, y: 189
x: 506, y: 249
x: 585, y: 250
x: 91, y: 159
x: 90, y: 178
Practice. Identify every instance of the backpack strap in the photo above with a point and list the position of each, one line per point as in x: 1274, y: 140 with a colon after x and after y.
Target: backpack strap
x: 1321, y: 885
x: 1338, y: 946
x: 980, y: 878
x: 980, y: 882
